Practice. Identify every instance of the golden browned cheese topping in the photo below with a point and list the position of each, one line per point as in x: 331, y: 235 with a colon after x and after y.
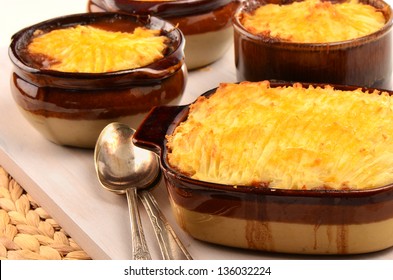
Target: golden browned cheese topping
x: 314, y: 21
x: 287, y: 137
x: 93, y: 50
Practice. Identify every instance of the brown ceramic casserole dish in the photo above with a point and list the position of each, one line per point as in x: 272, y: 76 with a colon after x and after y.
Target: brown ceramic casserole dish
x: 71, y: 108
x: 206, y: 24
x: 364, y: 61
x: 313, y: 221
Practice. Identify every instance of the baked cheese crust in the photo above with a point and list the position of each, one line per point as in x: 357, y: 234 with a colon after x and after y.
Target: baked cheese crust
x: 93, y: 50
x: 314, y: 21
x: 287, y: 137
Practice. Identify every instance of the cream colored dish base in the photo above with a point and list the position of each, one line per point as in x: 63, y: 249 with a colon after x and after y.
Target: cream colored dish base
x: 76, y: 133
x: 79, y: 132
x: 286, y: 237
x: 203, y: 49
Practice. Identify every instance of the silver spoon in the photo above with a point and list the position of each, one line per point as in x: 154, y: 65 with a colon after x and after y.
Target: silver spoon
x: 124, y: 168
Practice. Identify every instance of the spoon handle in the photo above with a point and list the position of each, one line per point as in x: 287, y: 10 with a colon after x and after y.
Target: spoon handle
x: 140, y: 250
x: 170, y: 245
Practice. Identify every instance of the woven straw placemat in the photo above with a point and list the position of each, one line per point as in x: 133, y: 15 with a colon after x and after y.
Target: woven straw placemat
x: 27, y: 232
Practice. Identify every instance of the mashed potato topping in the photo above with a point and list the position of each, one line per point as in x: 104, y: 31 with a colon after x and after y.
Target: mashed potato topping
x: 314, y: 21
x: 94, y: 50
x: 287, y: 137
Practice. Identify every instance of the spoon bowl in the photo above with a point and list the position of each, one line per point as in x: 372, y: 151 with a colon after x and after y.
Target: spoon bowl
x: 124, y: 168
x: 121, y: 165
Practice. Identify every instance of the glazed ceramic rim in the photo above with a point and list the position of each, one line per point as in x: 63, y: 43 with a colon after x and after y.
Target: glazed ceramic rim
x: 151, y: 73
x: 264, y: 40
x: 182, y: 113
x: 166, y: 9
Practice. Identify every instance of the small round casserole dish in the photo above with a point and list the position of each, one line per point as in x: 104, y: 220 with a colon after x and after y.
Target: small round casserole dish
x: 301, y: 221
x: 362, y: 61
x: 206, y: 24
x: 71, y: 108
